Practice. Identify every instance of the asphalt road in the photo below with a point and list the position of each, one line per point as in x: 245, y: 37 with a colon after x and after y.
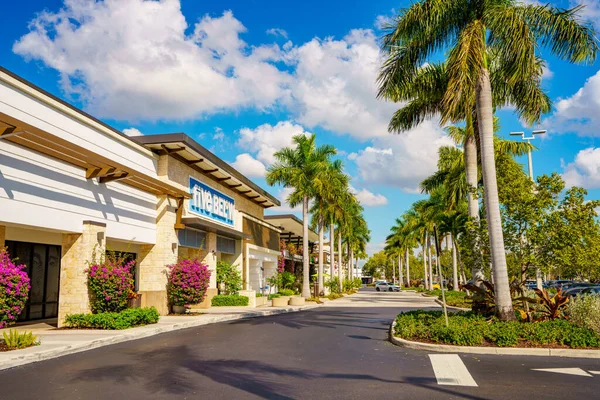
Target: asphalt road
x: 335, y: 352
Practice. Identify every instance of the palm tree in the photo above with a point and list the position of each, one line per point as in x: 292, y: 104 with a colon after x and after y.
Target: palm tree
x: 477, y: 36
x: 326, y: 183
x: 299, y: 168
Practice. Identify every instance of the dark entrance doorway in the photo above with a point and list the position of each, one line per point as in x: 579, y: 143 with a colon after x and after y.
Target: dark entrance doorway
x: 43, y: 267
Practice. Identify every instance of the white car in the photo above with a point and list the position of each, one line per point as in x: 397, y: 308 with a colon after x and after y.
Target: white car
x: 383, y: 286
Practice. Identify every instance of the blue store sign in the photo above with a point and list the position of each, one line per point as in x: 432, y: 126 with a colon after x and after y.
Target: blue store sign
x: 211, y: 203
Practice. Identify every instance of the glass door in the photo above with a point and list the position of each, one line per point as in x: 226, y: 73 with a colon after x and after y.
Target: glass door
x: 42, y: 263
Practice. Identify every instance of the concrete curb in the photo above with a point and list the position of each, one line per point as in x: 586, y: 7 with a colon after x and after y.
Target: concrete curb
x: 20, y: 358
x: 452, y: 307
x: 505, y: 351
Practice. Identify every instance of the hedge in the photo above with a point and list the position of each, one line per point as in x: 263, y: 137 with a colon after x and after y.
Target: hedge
x: 286, y: 292
x: 469, y: 329
x: 223, y: 300
x: 113, y: 320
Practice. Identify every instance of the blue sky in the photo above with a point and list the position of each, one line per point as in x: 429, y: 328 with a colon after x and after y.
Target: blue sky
x: 242, y: 77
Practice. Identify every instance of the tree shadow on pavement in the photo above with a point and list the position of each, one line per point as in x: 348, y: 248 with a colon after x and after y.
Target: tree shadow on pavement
x: 177, y: 370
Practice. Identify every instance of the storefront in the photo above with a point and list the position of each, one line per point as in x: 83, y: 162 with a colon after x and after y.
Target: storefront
x: 72, y: 187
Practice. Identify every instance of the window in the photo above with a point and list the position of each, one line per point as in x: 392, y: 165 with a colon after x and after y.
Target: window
x: 225, y: 245
x: 192, y: 238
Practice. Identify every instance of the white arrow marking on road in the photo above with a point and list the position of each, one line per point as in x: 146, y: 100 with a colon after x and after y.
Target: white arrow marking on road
x: 566, y: 371
x: 594, y: 372
x: 449, y: 369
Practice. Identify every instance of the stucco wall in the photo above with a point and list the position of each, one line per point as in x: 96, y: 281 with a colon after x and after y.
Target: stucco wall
x: 47, y: 193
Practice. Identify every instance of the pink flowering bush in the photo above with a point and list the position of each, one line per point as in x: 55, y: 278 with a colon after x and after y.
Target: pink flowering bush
x: 187, y: 282
x: 14, y: 289
x: 110, y: 283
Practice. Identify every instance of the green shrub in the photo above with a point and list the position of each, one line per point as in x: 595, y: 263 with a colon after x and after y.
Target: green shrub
x: 585, y: 311
x: 469, y: 329
x: 333, y: 296
x: 259, y: 295
x: 287, y: 280
x: 113, y: 320
x: 314, y: 299
x: 231, y: 300
x: 333, y: 285
x: 17, y: 340
x: 357, y: 283
x: 286, y: 292
x: 230, y: 276
x: 273, y: 296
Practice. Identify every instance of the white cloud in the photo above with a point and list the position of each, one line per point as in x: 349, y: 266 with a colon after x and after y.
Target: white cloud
x: 590, y: 12
x: 373, y: 248
x: 145, y: 67
x: 402, y: 160
x: 249, y: 166
x: 547, y: 73
x: 579, y: 113
x: 334, y: 85
x: 584, y: 170
x: 367, y: 198
x: 267, y: 139
x: 132, y: 132
x: 219, y: 134
x: 277, y: 32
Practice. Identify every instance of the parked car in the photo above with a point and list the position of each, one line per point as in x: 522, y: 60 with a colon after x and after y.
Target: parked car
x: 590, y: 290
x: 386, y: 287
x: 574, y: 290
x: 558, y: 283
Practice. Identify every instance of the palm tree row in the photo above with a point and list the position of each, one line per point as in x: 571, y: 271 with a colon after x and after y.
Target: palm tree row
x: 318, y: 179
x: 491, y: 49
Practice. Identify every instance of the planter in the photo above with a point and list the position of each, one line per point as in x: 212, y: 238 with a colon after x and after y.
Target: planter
x: 261, y: 301
x: 281, y: 301
x: 179, y: 309
x: 297, y: 301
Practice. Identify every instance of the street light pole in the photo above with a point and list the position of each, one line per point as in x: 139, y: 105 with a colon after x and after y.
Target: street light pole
x: 538, y: 273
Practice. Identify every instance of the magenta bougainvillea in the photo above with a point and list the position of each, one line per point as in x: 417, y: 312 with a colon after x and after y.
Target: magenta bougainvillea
x: 110, y: 283
x: 14, y: 289
x: 187, y: 282
x: 281, y: 258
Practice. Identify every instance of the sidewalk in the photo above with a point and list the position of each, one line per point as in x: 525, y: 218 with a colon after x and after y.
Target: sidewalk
x: 60, y: 342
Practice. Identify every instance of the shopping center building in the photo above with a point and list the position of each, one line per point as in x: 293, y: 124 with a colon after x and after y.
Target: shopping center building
x: 72, y: 187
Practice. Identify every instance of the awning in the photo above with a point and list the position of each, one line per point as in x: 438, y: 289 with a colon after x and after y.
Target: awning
x: 208, y: 226
x: 292, y: 227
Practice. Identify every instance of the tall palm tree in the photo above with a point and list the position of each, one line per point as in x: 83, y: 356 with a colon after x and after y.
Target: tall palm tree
x: 327, y: 182
x: 477, y: 35
x: 299, y: 168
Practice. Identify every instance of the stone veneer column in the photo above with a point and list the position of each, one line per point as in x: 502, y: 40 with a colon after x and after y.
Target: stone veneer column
x: 78, y: 249
x: 153, y: 259
x: 211, y: 257
x: 2, y: 235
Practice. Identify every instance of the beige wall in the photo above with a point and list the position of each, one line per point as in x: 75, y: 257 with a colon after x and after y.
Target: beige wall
x: 2, y: 236
x: 77, y: 250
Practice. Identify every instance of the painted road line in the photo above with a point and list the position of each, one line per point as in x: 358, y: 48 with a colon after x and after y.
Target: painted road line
x: 449, y: 369
x: 594, y: 372
x: 566, y: 371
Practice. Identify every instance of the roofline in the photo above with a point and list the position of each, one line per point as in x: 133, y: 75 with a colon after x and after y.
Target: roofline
x: 291, y: 216
x: 71, y: 107
x: 180, y: 137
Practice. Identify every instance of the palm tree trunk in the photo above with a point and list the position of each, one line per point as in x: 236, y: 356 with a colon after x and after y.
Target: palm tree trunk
x: 305, y: 266
x: 470, y: 154
x: 350, y: 272
x: 320, y: 272
x: 425, y: 280
x: 332, y: 250
x: 407, y: 268
x: 429, y: 261
x: 400, y: 277
x: 340, y: 258
x: 485, y: 115
x: 454, y: 264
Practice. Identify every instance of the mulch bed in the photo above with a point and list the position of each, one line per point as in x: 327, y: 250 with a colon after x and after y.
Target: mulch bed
x: 4, y: 347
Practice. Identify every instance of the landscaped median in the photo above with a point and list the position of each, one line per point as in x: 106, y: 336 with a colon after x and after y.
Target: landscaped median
x: 468, y: 332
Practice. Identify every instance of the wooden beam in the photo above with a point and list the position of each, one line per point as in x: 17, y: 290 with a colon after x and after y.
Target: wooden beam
x: 245, y: 191
x: 179, y: 214
x: 210, y: 171
x: 99, y: 172
x: 253, y: 197
x: 234, y: 186
x: 113, y: 177
x: 5, y: 128
x: 7, y: 134
x: 171, y: 151
x: 262, y: 202
x: 194, y: 162
x: 224, y: 179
